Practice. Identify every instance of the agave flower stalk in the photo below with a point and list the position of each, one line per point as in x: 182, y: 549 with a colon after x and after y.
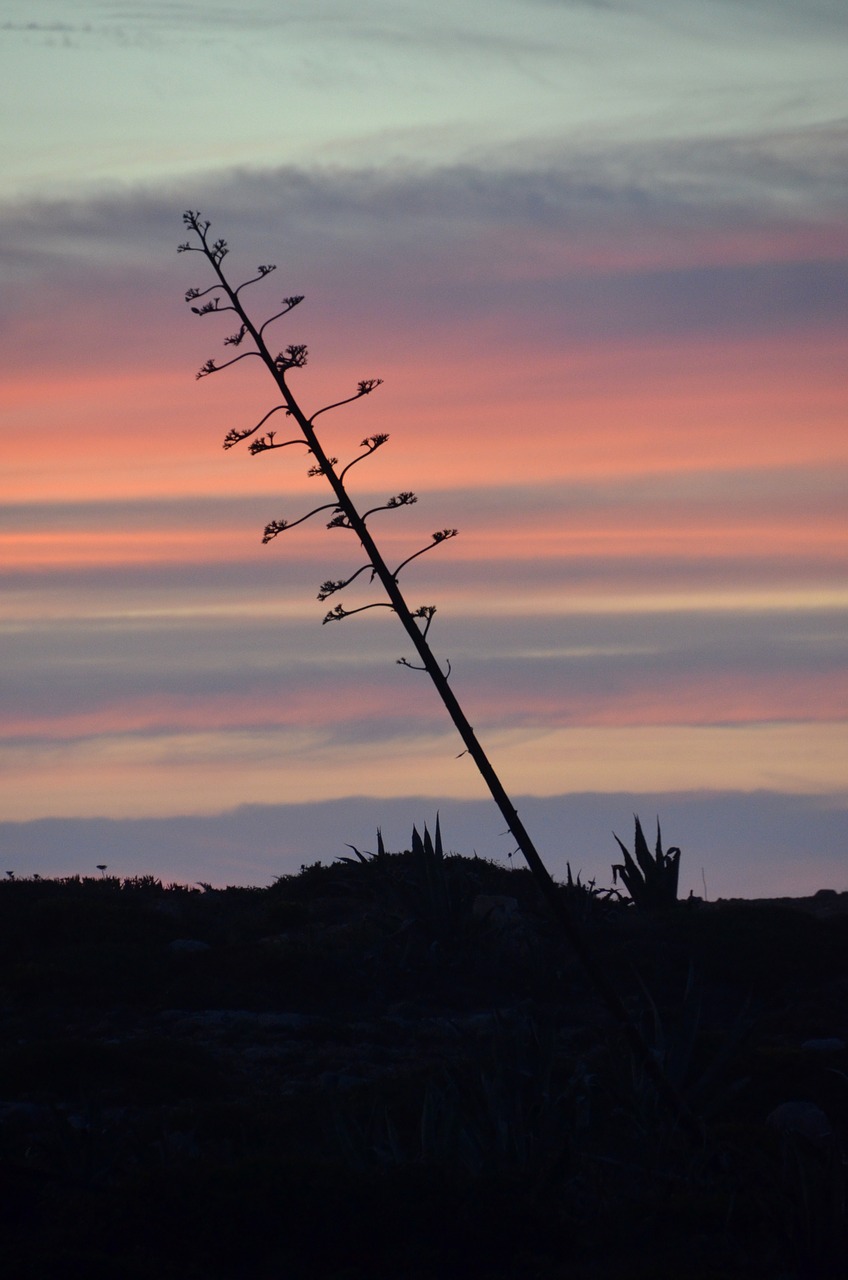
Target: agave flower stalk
x: 223, y: 297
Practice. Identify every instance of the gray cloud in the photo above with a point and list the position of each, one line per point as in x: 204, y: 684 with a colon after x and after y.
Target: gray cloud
x: 790, y: 491
x: 768, y: 298
x: 564, y: 247
x: 336, y: 217
x: 775, y: 664
x: 209, y: 587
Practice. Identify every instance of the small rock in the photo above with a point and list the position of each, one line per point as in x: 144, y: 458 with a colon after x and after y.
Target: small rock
x: 284, y: 1021
x: 338, y: 1081
x: 803, y: 1118
x: 15, y: 1110
x: 494, y: 908
x: 187, y: 946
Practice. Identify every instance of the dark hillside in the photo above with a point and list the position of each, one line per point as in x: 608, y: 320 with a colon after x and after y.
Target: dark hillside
x: 392, y: 1067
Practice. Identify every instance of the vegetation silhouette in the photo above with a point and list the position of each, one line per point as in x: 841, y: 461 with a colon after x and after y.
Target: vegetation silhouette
x: 650, y: 879
x: 355, y: 1072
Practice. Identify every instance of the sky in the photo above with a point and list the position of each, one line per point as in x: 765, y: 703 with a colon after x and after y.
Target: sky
x: 598, y: 253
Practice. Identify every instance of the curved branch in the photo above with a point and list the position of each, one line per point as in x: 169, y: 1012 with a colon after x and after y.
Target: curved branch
x: 264, y: 443
x: 400, y: 500
x: 291, y: 303
x: 332, y: 585
x: 364, y: 388
x: 233, y: 437
x: 191, y: 294
x: 413, y: 666
x: 279, y: 526
x: 336, y: 405
x: 441, y: 536
x: 263, y: 272
x: 212, y: 367
x: 336, y: 615
x: 370, y: 444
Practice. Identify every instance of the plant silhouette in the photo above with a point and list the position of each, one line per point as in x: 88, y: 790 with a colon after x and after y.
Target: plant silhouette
x: 224, y: 298
x: 650, y: 879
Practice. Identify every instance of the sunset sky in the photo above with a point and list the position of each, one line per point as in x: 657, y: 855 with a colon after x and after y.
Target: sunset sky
x: 598, y: 252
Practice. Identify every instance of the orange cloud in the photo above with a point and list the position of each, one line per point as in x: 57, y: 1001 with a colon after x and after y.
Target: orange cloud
x: 298, y: 708
x: 490, y: 416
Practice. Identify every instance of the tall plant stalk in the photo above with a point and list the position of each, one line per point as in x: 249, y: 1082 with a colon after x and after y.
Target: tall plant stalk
x: 223, y: 297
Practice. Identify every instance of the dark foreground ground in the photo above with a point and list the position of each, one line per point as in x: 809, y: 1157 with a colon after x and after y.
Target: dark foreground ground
x: 395, y: 1070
